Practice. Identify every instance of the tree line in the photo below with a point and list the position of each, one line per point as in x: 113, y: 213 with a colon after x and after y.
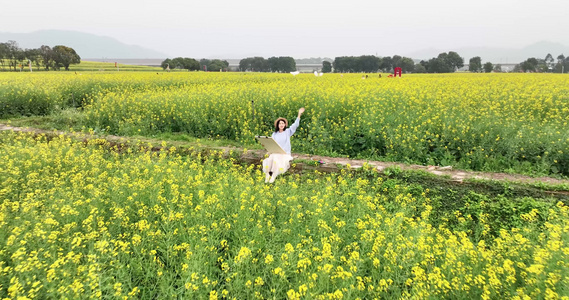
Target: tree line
x: 16, y: 58
x: 446, y: 62
x: 283, y: 64
x: 192, y: 64
x: 443, y: 63
x: 475, y: 65
x: 548, y: 64
x: 369, y: 64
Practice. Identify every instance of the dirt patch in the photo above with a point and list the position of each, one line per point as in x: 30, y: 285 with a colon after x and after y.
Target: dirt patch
x: 455, y: 175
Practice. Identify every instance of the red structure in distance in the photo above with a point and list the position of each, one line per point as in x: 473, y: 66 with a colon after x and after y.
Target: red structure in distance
x: 397, y: 71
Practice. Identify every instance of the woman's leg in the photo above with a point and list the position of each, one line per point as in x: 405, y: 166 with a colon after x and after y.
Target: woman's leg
x: 281, y: 163
x: 273, y: 178
x: 267, y: 166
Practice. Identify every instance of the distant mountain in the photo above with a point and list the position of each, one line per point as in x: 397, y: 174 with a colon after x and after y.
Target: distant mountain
x: 85, y: 44
x: 499, y: 55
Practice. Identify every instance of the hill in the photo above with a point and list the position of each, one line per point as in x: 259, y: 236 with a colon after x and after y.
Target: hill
x: 85, y: 44
x: 499, y: 55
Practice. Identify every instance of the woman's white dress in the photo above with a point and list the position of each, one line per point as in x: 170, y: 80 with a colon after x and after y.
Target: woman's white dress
x: 280, y: 163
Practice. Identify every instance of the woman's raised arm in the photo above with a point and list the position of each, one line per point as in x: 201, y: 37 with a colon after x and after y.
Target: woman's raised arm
x: 296, y: 123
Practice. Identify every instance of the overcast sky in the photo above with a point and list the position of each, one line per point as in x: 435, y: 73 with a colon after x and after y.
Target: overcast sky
x: 231, y: 28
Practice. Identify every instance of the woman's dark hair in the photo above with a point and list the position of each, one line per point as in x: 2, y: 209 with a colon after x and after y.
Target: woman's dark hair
x: 277, y: 127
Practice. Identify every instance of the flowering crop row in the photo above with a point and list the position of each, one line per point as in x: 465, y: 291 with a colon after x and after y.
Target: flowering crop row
x: 78, y: 221
x: 490, y: 122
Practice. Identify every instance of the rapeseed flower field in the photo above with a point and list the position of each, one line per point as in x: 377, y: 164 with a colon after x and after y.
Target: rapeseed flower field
x: 78, y: 220
x: 488, y: 122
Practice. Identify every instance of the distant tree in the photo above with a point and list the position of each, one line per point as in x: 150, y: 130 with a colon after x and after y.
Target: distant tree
x: 407, y: 65
x: 337, y: 65
x: 326, y: 67
x: 438, y: 65
x: 444, y: 63
x: 3, y: 53
x: 529, y: 65
x: 16, y: 57
x: 497, y: 68
x: 245, y: 64
x: 46, y: 54
x: 396, y: 61
x: 419, y: 68
x: 217, y: 65
x: 187, y: 63
x: 273, y: 63
x: 287, y: 64
x: 380, y: 60
x: 254, y: 64
x: 488, y: 67
x: 542, y: 66
x: 34, y: 56
x: 562, y: 64
x: 191, y: 64
x: 177, y: 63
x: 13, y: 54
x: 386, y: 64
x: 425, y: 65
x: 64, y: 56
x: 282, y: 64
x: 475, y: 64
x: 260, y: 64
x: 166, y: 63
x: 21, y: 58
x: 454, y: 60
x: 352, y: 64
x: 204, y: 63
x: 344, y: 64
x: 549, y: 62
x: 368, y: 64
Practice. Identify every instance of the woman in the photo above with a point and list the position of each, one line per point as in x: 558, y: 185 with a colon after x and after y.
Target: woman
x: 277, y: 164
